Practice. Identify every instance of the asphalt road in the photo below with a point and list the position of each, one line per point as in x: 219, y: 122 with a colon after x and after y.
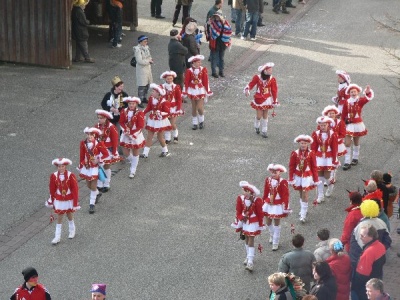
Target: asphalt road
x: 166, y: 234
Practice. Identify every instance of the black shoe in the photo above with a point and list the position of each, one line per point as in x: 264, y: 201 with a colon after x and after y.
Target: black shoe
x: 215, y: 75
x: 233, y: 21
x: 160, y: 17
x: 194, y: 127
x: 100, y: 189
x: 221, y: 74
x: 145, y: 100
x: 165, y: 154
x: 257, y: 130
x: 398, y: 230
x: 354, y: 162
x: 260, y: 25
x: 91, y: 209
x: 346, y: 167
x: 167, y: 141
x: 201, y: 125
x: 98, y: 197
x: 175, y: 140
x: 209, y: 58
x: 105, y: 189
x: 143, y: 156
x: 153, y: 15
x: 285, y: 11
x: 291, y: 5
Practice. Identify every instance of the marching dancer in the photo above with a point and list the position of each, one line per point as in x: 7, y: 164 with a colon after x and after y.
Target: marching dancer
x: 339, y: 127
x: 341, y: 97
x: 132, y: 123
x: 197, y: 89
x: 276, y: 202
x: 157, y: 121
x: 303, y: 174
x: 109, y: 136
x: 325, y: 147
x: 173, y: 94
x: 265, y: 98
x: 355, y: 128
x: 92, y: 154
x: 64, y: 196
x: 249, y: 218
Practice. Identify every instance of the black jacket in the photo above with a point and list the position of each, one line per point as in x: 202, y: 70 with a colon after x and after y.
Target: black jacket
x: 177, y: 53
x: 79, y: 24
x: 189, y: 41
x: 325, y: 289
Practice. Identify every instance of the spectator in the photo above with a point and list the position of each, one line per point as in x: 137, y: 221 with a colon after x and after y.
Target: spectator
x: 375, y: 290
x: 240, y: 12
x: 143, y: 68
x: 79, y: 31
x: 184, y: 4
x: 217, y: 6
x: 352, y: 219
x: 289, y: 4
x: 31, y: 289
x: 113, y: 100
x: 219, y: 36
x: 279, y: 289
x: 252, y: 14
x: 370, y: 211
x: 116, y: 9
x: 382, y: 214
x: 371, y: 191
x: 260, y: 12
x: 370, y: 264
x: 325, y: 287
x: 98, y: 291
x: 155, y: 9
x: 393, y: 193
x: 278, y: 5
x: 340, y: 265
x: 189, y: 41
x: 309, y: 297
x: 176, y: 53
x: 322, y: 252
x: 298, y: 261
x: 378, y: 177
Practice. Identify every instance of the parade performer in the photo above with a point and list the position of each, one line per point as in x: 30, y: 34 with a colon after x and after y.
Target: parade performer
x: 339, y: 127
x: 265, y: 97
x: 341, y: 97
x: 197, y: 89
x: 132, y: 140
x: 109, y: 136
x: 276, y: 202
x: 303, y: 173
x: 325, y: 147
x: 249, y: 219
x: 92, y: 154
x: 64, y: 196
x: 355, y: 128
x: 157, y: 121
x: 173, y: 94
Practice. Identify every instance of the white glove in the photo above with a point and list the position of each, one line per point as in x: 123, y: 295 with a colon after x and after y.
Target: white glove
x: 49, y: 203
x: 276, y: 104
x: 109, y: 102
x: 335, y: 100
x: 76, y: 207
x: 262, y: 228
x: 287, y: 211
x: 246, y: 91
x: 209, y: 94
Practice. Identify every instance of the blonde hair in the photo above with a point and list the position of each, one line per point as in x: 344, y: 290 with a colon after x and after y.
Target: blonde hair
x: 277, y: 278
x: 336, y: 246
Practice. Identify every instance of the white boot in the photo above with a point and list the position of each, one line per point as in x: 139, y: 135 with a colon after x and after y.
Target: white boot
x: 108, y: 179
x: 257, y: 125
x: 175, y: 134
x: 320, y: 189
x: 271, y: 233
x: 145, y: 153
x: 71, y: 226
x: 57, y: 237
x: 303, y: 211
x: 250, y: 258
x: 247, y: 253
x: 167, y: 136
x: 264, y: 127
x: 134, y: 163
x: 275, y: 240
x: 329, y: 190
x: 356, y: 153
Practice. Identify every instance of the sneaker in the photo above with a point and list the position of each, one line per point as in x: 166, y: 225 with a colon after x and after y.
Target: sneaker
x: 194, y: 127
x: 201, y: 125
x: 117, y: 46
x: 71, y: 234
x: 354, y: 162
x: 143, y: 156
x: 302, y: 220
x: 100, y: 189
x: 89, y: 60
x: 257, y: 130
x: 261, y: 25
x: 165, y: 154
x: 275, y: 247
x: 215, y: 75
x: 329, y: 191
x: 264, y: 135
x: 56, y: 240
x: 285, y: 11
x: 160, y: 17
x: 97, y: 197
x: 91, y: 209
x: 242, y: 37
x: 175, y: 140
x: 131, y: 175
x: 245, y: 262
x: 346, y: 167
x: 253, y: 39
x: 249, y: 267
x: 270, y: 240
x: 320, y: 198
x: 167, y: 142
x: 106, y: 189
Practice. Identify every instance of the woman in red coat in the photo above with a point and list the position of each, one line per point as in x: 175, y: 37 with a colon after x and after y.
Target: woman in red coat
x: 110, y: 137
x: 64, y: 196
x: 352, y: 219
x: 340, y: 265
x: 173, y: 94
x: 249, y: 219
x: 303, y: 174
x: 92, y: 155
x: 158, y: 121
x: 265, y: 98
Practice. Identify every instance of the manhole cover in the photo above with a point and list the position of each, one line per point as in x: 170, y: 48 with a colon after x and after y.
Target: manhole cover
x: 300, y: 101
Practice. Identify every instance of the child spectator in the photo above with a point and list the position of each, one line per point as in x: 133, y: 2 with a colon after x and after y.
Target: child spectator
x: 322, y: 252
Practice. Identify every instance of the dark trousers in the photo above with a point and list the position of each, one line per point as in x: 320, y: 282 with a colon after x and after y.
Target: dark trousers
x: 179, y: 80
x: 81, y: 49
x: 185, y: 13
x: 217, y: 60
x: 155, y: 7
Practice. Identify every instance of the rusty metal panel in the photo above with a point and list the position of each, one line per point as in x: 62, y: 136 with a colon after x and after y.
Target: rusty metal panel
x: 36, y: 32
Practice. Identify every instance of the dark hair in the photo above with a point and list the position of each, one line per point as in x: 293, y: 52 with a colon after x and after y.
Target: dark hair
x: 298, y: 240
x: 218, y: 2
x: 355, y: 198
x: 323, y: 269
x: 323, y: 234
x: 265, y: 76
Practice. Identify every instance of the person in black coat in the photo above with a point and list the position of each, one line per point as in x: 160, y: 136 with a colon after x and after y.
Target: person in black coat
x: 113, y: 100
x: 177, y: 53
x: 80, y: 31
x: 325, y: 284
x: 189, y: 41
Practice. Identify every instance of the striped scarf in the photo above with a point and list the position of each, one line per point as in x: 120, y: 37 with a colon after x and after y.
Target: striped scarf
x: 217, y: 29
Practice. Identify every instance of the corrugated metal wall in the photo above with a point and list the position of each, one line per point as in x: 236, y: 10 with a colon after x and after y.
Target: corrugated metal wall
x: 36, y: 32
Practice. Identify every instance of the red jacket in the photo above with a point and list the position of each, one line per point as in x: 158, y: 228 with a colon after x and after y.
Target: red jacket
x: 109, y: 136
x: 254, y: 212
x: 133, y: 125
x: 341, y: 269
x: 38, y: 292
x: 352, y: 219
x: 265, y: 89
x: 64, y: 190
x: 280, y: 193
x: 307, y: 168
x: 329, y: 147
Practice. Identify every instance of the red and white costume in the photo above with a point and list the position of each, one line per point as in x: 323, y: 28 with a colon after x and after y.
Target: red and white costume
x: 276, y: 197
x: 132, y: 123
x: 109, y: 136
x: 266, y: 96
x: 173, y: 94
x: 64, y: 190
x: 303, y: 173
x: 325, y: 146
x: 341, y: 96
x: 196, y: 82
x: 159, y: 111
x: 339, y: 127
x: 89, y: 169
x: 352, y: 110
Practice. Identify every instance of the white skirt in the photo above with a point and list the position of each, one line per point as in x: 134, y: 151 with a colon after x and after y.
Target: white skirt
x: 196, y: 93
x: 62, y: 207
x: 341, y: 149
x: 158, y: 125
x: 303, y: 183
x: 324, y: 163
x: 127, y: 141
x: 89, y: 174
x: 251, y: 229
x: 356, y: 129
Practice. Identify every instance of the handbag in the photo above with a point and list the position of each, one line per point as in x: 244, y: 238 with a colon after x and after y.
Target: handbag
x: 102, y: 174
x: 133, y: 62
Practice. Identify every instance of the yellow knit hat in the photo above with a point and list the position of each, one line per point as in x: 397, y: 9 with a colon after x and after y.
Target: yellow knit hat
x: 369, y: 209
